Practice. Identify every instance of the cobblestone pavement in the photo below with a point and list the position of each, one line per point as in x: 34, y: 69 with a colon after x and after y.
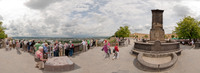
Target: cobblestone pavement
x: 93, y: 61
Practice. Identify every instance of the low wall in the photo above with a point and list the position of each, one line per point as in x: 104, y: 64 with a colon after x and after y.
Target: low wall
x: 156, y: 46
x: 158, y: 66
x: 77, y: 48
x: 197, y: 45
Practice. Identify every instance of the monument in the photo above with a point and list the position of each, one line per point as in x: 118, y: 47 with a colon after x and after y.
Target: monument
x: 59, y: 64
x: 157, y: 32
x: 157, y: 47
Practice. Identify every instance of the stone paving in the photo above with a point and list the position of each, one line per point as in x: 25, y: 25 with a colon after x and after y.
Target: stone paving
x: 93, y: 61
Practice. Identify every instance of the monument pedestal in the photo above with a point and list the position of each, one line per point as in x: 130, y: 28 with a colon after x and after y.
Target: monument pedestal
x: 58, y: 64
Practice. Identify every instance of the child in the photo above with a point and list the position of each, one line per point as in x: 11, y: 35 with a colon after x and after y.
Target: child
x: 116, y: 52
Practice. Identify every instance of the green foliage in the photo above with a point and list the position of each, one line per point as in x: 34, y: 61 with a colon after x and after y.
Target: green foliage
x: 136, y: 36
x: 172, y: 36
x: 2, y: 32
x: 112, y: 40
x: 166, y: 37
x: 146, y: 36
x: 123, y: 32
x: 188, y: 28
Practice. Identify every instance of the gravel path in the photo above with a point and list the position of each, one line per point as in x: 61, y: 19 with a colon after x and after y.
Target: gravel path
x: 93, y: 61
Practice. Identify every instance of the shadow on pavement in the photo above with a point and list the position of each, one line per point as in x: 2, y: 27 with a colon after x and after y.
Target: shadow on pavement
x: 18, y: 52
x: 122, y: 71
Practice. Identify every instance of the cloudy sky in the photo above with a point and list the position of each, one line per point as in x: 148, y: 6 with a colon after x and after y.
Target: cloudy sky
x: 83, y: 18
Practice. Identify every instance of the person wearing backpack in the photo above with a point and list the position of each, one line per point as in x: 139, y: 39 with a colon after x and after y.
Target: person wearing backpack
x: 39, y: 58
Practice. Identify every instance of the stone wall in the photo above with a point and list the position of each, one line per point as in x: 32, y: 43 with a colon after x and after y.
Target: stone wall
x: 156, y: 46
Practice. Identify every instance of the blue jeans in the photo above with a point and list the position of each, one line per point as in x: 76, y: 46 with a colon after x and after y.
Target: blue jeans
x: 56, y: 53
x: 71, y: 52
x: 28, y: 48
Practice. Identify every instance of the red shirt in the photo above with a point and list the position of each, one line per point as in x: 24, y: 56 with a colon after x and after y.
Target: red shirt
x: 116, y: 48
x: 39, y: 54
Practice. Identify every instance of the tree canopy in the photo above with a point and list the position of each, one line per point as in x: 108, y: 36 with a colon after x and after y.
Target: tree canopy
x: 2, y: 32
x: 172, y: 36
x: 123, y: 32
x: 188, y: 28
x: 146, y: 36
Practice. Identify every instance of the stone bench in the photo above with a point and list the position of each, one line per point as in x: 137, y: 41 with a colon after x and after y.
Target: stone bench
x: 157, y: 66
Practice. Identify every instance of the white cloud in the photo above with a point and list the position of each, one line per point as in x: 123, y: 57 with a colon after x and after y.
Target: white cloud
x: 82, y: 18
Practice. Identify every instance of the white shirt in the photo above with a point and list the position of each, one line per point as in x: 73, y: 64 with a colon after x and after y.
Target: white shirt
x: 83, y: 43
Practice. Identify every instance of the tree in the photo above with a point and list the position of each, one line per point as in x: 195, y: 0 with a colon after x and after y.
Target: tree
x: 2, y: 32
x: 136, y: 36
x: 166, y: 37
x: 146, y: 36
x: 188, y: 28
x: 123, y: 32
x: 172, y: 36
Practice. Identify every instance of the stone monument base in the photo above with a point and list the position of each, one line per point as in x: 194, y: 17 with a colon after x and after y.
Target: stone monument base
x: 57, y: 64
x: 156, y: 50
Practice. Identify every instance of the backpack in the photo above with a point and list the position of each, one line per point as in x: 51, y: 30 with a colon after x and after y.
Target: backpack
x: 36, y: 59
x: 114, y: 50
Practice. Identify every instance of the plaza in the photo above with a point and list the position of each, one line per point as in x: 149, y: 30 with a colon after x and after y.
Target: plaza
x: 93, y: 61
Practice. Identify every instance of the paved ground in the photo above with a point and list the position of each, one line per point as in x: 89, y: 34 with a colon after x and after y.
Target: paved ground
x: 93, y: 61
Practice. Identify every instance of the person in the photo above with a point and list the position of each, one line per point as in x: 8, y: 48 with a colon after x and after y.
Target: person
x: 116, y: 52
x: 7, y: 44
x: 37, y: 45
x: 91, y: 42
x: 56, y: 49
x: 183, y: 42
x: 109, y: 49
x: 10, y: 44
x: 105, y: 49
x: 88, y: 42
x: 21, y: 42
x: 25, y: 45
x: 66, y: 47
x: 29, y: 45
x: 45, y: 52
x: 39, y: 58
x: 17, y: 44
x: 192, y: 42
x: 60, y: 49
x: 14, y: 44
x: 84, y: 45
x: 32, y: 46
x: 50, y: 49
x: 96, y: 42
x: 71, y: 46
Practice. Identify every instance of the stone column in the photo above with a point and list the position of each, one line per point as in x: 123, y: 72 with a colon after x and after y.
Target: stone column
x: 157, y: 31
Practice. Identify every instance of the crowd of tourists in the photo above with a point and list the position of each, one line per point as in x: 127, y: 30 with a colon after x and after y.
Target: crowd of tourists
x: 43, y: 50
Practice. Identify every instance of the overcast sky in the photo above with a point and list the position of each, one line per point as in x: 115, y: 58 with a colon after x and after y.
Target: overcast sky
x: 83, y: 18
